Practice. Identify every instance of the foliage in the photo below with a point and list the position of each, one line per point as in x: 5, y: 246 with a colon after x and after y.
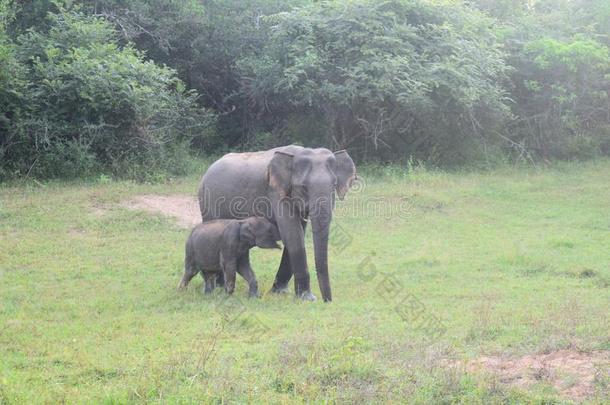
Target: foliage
x: 568, y: 84
x: 560, y: 76
x: 94, y: 105
x: 448, y: 82
x: 202, y: 41
x: 12, y: 85
x: 384, y: 77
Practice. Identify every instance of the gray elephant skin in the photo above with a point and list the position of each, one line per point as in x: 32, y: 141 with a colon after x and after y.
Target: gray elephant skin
x: 224, y: 246
x: 288, y: 185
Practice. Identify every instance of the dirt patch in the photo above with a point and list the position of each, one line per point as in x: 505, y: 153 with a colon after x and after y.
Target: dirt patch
x: 98, y: 211
x: 185, y: 209
x: 570, y: 372
x: 77, y: 232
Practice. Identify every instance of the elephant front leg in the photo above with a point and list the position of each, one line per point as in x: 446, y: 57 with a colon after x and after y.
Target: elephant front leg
x: 293, y: 237
x: 244, y: 268
x: 283, y: 276
x: 284, y: 273
x: 229, y: 270
x: 302, y: 288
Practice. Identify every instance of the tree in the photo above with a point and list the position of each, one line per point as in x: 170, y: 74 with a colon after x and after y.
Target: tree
x: 560, y: 77
x: 391, y: 79
x: 93, y: 104
x: 202, y: 41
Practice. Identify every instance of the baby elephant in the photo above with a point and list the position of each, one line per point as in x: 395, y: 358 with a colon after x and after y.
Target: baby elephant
x: 224, y: 246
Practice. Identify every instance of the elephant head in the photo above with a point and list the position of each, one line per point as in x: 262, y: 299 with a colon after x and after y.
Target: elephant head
x: 259, y: 232
x: 309, y: 179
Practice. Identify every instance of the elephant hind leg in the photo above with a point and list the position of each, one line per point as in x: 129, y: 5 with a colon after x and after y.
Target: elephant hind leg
x: 190, y: 270
x: 210, y: 282
x: 220, y: 280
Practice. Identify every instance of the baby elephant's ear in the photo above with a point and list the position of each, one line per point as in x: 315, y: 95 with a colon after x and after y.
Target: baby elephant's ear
x: 279, y: 173
x: 246, y: 233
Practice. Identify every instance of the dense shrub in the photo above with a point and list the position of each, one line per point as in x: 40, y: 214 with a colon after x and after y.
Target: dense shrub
x: 94, y: 105
x: 561, y: 94
x: 386, y: 79
x: 203, y: 41
x: 559, y: 86
x: 447, y: 82
x: 12, y: 90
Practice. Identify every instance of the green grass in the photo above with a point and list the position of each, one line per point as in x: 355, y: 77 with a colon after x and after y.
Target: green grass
x: 512, y: 261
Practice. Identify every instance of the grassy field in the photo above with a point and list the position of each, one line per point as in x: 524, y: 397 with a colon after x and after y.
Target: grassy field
x: 511, y: 263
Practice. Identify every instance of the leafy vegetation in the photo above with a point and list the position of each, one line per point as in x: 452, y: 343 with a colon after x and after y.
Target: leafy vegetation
x: 81, y: 103
x: 384, y: 77
x: 513, y: 261
x: 560, y: 78
x: 446, y: 82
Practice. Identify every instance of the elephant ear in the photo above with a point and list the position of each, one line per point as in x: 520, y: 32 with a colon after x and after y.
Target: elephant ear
x: 345, y: 172
x: 279, y: 173
x: 245, y: 233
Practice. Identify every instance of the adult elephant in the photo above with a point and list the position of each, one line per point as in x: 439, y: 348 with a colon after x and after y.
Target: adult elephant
x: 288, y: 185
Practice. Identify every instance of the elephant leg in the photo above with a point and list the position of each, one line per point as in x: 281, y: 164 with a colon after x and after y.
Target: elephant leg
x: 293, y: 236
x: 284, y: 273
x: 220, y: 280
x: 210, y: 282
x: 229, y: 270
x: 190, y: 270
x: 244, y: 268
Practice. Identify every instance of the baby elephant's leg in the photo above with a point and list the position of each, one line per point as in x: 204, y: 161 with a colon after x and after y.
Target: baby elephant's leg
x: 190, y: 270
x: 210, y: 282
x: 244, y: 268
x: 229, y: 269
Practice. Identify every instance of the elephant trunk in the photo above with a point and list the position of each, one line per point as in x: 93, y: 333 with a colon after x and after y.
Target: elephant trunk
x: 320, y: 224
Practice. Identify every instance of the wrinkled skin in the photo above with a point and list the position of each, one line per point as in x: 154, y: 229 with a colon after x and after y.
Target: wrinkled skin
x: 223, y: 246
x: 287, y: 185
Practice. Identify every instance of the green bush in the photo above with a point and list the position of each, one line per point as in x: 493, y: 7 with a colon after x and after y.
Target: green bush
x: 445, y: 82
x: 12, y: 89
x: 564, y: 98
x: 387, y: 79
x: 559, y: 85
x: 95, y: 105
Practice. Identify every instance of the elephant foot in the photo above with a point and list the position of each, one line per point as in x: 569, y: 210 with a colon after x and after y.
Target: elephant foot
x: 307, y: 296
x: 280, y: 290
x: 254, y: 294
